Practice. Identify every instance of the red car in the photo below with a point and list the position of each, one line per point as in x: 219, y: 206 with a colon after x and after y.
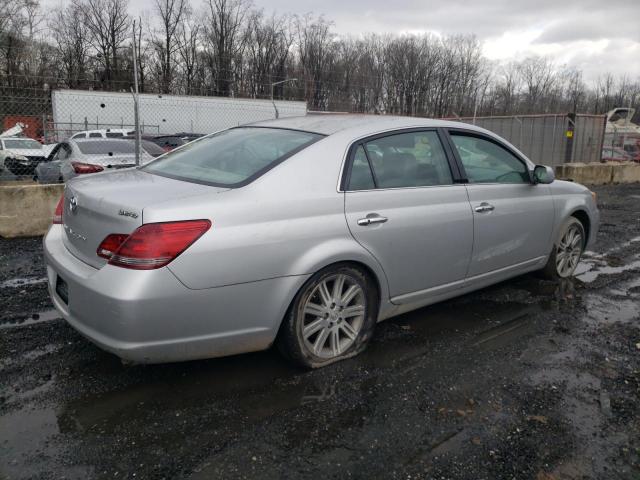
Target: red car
x: 615, y: 154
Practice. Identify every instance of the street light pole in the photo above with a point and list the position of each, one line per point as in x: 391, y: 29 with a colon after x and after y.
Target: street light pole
x: 278, y: 83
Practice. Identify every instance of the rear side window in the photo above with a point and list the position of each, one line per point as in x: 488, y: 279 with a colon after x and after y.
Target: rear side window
x: 95, y: 135
x: 485, y: 161
x: 361, y: 177
x: 412, y: 159
x: 233, y: 157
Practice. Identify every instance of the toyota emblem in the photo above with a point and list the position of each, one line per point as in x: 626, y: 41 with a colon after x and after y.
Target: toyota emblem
x: 73, y: 204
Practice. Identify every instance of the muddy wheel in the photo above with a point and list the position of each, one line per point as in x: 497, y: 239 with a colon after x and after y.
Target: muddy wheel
x: 566, y: 251
x: 331, y: 318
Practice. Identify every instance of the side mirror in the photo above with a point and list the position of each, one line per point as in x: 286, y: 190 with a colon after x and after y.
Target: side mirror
x: 543, y: 174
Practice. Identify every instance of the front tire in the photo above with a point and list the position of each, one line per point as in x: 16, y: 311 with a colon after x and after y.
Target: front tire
x: 567, y: 250
x: 331, y: 318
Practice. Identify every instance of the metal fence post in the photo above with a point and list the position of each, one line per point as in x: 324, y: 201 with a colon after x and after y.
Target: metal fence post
x: 568, y: 152
x: 136, y: 107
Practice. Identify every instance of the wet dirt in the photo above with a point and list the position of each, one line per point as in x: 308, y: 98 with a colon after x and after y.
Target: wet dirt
x: 525, y: 379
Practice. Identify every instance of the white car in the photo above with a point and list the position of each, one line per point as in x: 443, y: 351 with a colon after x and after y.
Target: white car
x: 20, y: 155
x: 103, y: 133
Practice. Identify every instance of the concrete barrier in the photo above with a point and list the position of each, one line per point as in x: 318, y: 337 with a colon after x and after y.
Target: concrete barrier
x: 599, y: 173
x: 587, y: 173
x: 27, y: 210
x: 626, y: 173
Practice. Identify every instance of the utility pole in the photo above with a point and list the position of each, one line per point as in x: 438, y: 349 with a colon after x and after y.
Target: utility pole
x: 278, y: 83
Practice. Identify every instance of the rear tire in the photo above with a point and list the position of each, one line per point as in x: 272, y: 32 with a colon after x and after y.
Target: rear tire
x: 331, y: 318
x: 567, y: 251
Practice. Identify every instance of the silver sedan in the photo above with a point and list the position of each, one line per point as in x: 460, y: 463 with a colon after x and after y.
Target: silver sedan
x: 303, y: 232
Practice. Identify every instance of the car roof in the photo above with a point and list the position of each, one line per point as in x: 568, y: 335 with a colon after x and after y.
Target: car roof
x: 328, y: 124
x: 97, y: 139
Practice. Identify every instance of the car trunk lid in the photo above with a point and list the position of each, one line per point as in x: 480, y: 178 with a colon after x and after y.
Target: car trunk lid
x: 101, y: 204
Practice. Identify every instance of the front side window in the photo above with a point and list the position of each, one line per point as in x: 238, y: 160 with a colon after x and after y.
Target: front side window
x: 485, y: 161
x: 231, y: 157
x: 115, y: 134
x: 412, y: 159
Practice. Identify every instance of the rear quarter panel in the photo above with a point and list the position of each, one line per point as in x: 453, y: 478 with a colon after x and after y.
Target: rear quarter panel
x: 288, y: 222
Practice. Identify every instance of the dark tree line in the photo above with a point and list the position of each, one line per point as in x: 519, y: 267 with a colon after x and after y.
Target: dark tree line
x: 231, y: 48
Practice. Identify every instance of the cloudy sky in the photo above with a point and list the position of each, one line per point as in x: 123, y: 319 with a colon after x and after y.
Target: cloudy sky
x: 594, y: 35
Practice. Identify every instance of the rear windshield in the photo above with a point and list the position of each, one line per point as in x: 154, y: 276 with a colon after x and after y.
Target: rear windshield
x: 233, y: 157
x: 99, y: 147
x: 169, y: 141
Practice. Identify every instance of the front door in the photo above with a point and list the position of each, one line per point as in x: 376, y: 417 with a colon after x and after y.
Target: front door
x: 402, y: 205
x: 513, y: 218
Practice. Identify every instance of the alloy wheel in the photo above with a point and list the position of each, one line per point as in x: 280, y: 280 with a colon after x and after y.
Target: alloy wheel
x: 333, y: 316
x: 568, y: 251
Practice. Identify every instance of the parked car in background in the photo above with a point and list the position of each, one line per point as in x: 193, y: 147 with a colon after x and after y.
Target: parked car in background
x: 103, y: 133
x: 615, y: 154
x: 20, y: 155
x: 633, y: 150
x: 290, y: 232
x: 165, y: 142
x: 78, y: 157
x: 189, y: 137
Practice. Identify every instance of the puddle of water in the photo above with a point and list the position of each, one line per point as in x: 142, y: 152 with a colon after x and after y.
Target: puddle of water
x: 46, y: 316
x: 27, y: 448
x: 603, y: 310
x: 588, y: 270
x: 22, y: 282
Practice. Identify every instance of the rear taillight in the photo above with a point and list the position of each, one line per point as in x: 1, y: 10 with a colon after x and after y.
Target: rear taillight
x: 111, y: 244
x: 57, y: 214
x: 81, y: 168
x: 153, y: 245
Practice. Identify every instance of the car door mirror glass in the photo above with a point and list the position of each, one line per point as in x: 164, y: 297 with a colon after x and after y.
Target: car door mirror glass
x: 543, y: 174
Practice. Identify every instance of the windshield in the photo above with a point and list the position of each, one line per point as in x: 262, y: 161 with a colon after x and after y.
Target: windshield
x: 103, y: 147
x: 232, y: 157
x: 22, y: 144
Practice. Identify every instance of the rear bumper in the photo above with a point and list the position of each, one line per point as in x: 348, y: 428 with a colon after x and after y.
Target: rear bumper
x: 150, y: 317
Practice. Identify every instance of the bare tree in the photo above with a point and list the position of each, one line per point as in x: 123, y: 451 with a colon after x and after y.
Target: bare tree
x: 71, y: 39
x: 267, y: 48
x: 316, y: 50
x: 108, y: 24
x: 188, y: 45
x: 223, y: 31
x: 165, y: 40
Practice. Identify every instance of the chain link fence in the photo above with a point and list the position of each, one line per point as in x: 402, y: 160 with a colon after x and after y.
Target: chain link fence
x: 45, y: 133
x: 552, y: 139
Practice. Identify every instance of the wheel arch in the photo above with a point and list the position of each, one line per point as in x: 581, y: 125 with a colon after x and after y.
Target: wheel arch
x: 342, y: 251
x: 583, y: 218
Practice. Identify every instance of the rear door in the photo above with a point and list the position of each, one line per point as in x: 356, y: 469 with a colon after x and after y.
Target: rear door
x: 513, y: 218
x: 402, y: 204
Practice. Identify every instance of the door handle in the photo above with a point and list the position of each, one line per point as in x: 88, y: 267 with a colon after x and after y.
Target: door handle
x: 370, y: 219
x: 484, y: 207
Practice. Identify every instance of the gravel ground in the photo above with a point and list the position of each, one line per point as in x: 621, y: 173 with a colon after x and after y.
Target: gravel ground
x: 524, y: 380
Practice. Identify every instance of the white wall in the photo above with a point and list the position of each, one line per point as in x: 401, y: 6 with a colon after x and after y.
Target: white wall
x: 162, y: 113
